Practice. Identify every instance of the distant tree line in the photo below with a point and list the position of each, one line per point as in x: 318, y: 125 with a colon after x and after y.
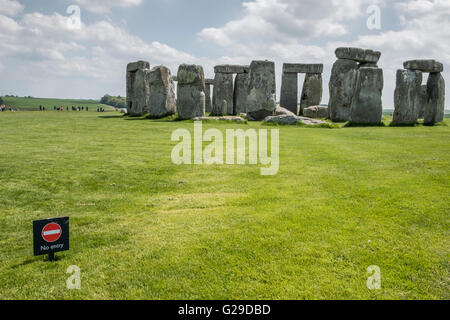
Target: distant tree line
x: 117, y: 102
x: 1, y: 101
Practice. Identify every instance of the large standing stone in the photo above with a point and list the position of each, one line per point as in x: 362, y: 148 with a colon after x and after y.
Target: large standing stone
x: 190, y: 91
x: 420, y: 102
x: 424, y: 65
x: 223, y: 90
x: 367, y: 107
x: 240, y: 93
x: 133, y: 86
x: 358, y: 55
x: 208, y: 104
x: 261, y: 100
x: 162, y: 92
x: 406, y: 91
x: 342, y: 87
x: 141, y: 100
x: 434, y: 111
x: 289, y: 92
x: 312, y: 90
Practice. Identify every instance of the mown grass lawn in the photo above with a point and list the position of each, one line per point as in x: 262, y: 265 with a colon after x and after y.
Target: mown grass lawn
x: 144, y: 228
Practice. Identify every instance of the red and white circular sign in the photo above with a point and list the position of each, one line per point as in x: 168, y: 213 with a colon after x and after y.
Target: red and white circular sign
x: 51, y: 232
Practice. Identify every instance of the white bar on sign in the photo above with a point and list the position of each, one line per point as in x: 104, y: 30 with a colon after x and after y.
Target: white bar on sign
x: 49, y: 233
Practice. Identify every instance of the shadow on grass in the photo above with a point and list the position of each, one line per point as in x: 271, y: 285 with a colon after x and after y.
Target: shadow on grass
x: 362, y: 125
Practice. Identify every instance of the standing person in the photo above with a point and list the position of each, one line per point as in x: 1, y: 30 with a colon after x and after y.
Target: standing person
x: 87, y: 108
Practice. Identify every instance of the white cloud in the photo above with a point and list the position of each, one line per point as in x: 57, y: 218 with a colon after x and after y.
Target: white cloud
x: 10, y: 7
x: 104, y: 6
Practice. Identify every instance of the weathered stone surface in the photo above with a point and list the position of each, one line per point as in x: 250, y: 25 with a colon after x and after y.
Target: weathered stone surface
x: 175, y: 78
x: 292, y: 119
x: 420, y: 102
x: 209, y: 81
x: 223, y: 90
x: 302, y: 68
x: 367, y: 107
x: 312, y: 91
x: 141, y: 93
x: 261, y: 99
x: 225, y: 118
x: 359, y: 55
x: 240, y: 93
x: 190, y: 92
x: 162, y: 92
x: 435, y: 108
x: 342, y: 87
x: 280, y: 111
x: 367, y: 65
x: 231, y: 69
x: 407, y: 88
x: 316, y: 112
x: 289, y: 92
x: 135, y: 66
x: 424, y: 65
x: 191, y: 74
x: 208, y: 103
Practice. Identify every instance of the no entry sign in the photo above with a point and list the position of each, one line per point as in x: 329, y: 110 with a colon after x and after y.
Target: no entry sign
x: 50, y: 236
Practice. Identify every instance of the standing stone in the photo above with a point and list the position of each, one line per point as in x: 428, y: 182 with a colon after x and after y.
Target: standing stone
x: 367, y: 107
x: 434, y: 111
x: 223, y: 90
x: 420, y: 101
x: 342, y: 87
x: 190, y: 91
x: 132, y: 69
x: 141, y: 100
x: 406, y: 91
x: 162, y: 93
x: 240, y: 93
x: 261, y: 100
x: 312, y: 91
x: 289, y: 92
x: 208, y: 104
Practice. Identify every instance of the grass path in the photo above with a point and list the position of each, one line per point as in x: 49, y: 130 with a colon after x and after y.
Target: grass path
x: 143, y: 228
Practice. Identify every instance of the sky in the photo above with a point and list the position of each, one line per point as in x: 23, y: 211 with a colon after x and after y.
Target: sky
x: 47, y: 51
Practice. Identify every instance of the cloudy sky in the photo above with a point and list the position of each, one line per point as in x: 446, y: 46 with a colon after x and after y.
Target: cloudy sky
x: 46, y: 52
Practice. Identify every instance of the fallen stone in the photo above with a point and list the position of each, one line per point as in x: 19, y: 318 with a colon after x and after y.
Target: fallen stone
x: 342, y: 87
x: 424, y: 65
x: 312, y: 91
x: 434, y: 111
x: 359, y: 55
x: 261, y: 99
x: 223, y: 90
x: 289, y: 92
x: 407, y: 88
x: 280, y: 111
x: 225, y: 118
x: 316, y: 112
x: 367, y: 107
x: 302, y: 68
x: 162, y: 92
x: 240, y: 93
x: 190, y: 92
x: 292, y: 120
x: 135, y: 66
x: 231, y: 69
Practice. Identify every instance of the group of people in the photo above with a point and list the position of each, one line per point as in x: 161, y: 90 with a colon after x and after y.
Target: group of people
x: 3, y: 108
x: 61, y: 108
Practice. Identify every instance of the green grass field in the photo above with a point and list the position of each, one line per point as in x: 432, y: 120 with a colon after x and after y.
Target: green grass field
x: 27, y: 104
x: 144, y: 228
